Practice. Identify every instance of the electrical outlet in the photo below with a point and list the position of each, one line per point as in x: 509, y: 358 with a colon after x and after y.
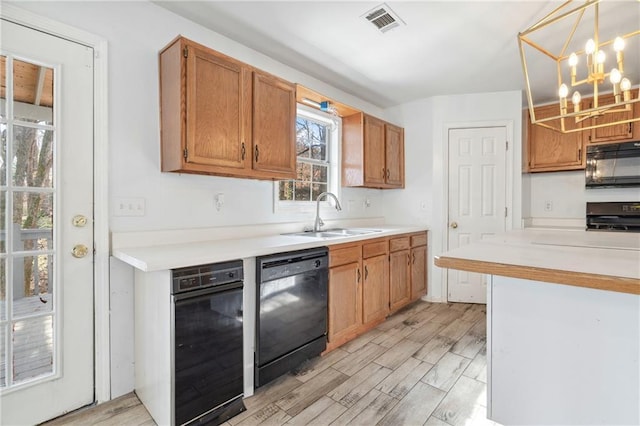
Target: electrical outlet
x: 219, y: 201
x: 548, y: 206
x: 129, y: 207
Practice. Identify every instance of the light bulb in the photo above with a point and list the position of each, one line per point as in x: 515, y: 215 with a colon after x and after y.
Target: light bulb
x: 625, y: 84
x: 600, y: 57
x: 576, y: 98
x: 563, y: 91
x: 618, y: 44
x: 573, y: 60
x: 590, y: 47
x: 615, y: 76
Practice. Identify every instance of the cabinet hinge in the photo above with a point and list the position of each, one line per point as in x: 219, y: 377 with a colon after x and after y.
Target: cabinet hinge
x: 185, y: 153
x: 589, y: 137
x: 185, y: 52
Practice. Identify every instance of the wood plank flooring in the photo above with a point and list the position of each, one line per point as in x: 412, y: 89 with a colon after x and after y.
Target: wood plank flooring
x: 425, y: 365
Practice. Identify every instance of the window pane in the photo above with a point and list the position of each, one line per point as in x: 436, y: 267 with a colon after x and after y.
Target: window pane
x: 302, y: 138
x: 3, y: 87
x: 33, y: 221
x: 33, y: 157
x: 32, y: 348
x: 320, y: 173
x: 3, y: 289
x: 3, y: 356
x: 286, y: 190
x: 32, y: 92
x: 3, y: 154
x: 3, y: 221
x: 303, y: 191
x: 304, y: 172
x: 32, y: 292
x: 317, y: 189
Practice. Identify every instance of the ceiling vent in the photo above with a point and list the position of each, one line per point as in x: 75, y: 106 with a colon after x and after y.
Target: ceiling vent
x: 383, y: 18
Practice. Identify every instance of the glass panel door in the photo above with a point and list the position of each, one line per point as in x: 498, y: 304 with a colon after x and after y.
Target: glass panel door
x: 27, y: 197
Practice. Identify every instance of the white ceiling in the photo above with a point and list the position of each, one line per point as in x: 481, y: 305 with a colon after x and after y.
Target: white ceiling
x: 445, y: 48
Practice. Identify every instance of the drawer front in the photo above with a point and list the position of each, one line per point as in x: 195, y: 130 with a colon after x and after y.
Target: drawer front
x: 396, y: 244
x: 375, y: 248
x: 419, y: 239
x: 344, y: 255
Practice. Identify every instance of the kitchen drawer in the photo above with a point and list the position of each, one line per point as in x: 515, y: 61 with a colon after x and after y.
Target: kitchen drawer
x: 419, y: 239
x: 375, y: 248
x: 396, y: 244
x: 342, y: 255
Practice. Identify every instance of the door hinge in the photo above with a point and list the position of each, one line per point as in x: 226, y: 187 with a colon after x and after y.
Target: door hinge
x: 185, y: 52
x: 507, y: 145
x: 505, y: 212
x: 185, y: 153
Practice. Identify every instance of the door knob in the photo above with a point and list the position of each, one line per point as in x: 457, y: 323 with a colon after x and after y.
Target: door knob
x: 79, y: 250
x: 454, y: 225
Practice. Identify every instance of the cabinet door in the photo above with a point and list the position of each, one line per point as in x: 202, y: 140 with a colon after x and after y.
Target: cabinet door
x: 394, y: 156
x: 550, y: 150
x: 615, y: 133
x: 345, y: 301
x: 399, y: 284
x: 418, y: 271
x: 274, y: 118
x: 374, y: 152
x: 218, y: 110
x: 375, y: 289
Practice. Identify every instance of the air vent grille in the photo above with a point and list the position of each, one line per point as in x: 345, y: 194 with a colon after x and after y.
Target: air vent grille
x: 383, y: 18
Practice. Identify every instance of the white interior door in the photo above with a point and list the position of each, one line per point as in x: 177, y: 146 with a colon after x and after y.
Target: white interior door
x: 46, y: 234
x: 477, y: 200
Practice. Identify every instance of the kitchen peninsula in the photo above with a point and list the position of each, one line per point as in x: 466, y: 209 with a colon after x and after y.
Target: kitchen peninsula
x: 563, y: 312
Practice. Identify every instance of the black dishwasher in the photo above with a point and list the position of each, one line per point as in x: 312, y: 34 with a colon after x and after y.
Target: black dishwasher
x: 291, y: 318
x: 208, y: 368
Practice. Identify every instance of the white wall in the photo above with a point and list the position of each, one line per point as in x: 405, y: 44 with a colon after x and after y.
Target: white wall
x: 426, y: 123
x: 568, y: 196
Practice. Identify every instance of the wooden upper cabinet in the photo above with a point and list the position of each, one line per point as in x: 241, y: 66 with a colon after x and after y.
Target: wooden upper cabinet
x: 372, y: 153
x: 615, y: 133
x: 274, y: 117
x: 216, y: 130
x: 220, y: 116
x: 549, y: 150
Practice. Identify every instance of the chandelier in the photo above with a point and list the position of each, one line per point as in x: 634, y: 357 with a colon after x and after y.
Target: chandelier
x: 589, y: 65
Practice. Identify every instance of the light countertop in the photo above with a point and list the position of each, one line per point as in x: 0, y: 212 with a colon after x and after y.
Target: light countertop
x: 601, y: 260
x: 158, y: 257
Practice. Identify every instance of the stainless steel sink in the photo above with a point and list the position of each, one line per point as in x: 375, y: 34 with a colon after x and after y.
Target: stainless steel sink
x: 335, y: 232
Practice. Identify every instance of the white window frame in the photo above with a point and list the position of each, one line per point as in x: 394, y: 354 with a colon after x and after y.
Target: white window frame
x: 335, y: 157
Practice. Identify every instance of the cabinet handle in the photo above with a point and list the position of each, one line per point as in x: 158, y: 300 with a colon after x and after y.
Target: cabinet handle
x: 388, y: 173
x: 580, y: 154
x: 257, y: 153
x: 243, y: 151
x: 384, y: 172
x: 414, y: 259
x: 358, y: 270
x: 408, y: 259
x: 366, y: 272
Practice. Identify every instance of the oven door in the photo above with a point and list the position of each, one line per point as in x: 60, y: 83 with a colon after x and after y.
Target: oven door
x: 207, y: 350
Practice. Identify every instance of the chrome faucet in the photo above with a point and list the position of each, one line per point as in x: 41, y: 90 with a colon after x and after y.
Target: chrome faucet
x: 319, y: 223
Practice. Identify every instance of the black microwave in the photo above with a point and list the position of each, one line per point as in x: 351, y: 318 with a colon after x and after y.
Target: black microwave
x: 613, y: 165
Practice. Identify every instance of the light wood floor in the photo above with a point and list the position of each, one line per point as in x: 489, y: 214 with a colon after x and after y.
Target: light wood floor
x: 426, y: 365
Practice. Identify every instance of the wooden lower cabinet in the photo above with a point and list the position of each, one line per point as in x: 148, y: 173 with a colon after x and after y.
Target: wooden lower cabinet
x: 345, y: 302
x: 418, y: 272
x: 368, y: 280
x: 399, y: 273
x: 375, y: 289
